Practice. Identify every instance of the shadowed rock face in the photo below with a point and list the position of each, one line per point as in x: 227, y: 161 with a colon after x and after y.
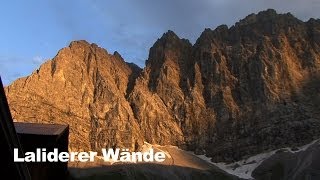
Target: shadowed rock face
x: 288, y: 165
x: 237, y: 91
x: 151, y: 171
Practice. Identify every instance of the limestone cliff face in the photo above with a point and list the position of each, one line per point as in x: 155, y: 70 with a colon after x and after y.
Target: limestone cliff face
x: 255, y: 76
x: 237, y: 91
x: 85, y: 87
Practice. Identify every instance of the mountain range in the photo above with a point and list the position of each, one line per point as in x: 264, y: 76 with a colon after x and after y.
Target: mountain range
x: 237, y: 91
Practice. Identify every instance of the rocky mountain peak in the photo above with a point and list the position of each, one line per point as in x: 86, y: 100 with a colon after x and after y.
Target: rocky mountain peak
x: 209, y: 35
x: 117, y: 55
x: 78, y: 43
x: 171, y: 40
x: 169, y: 46
x: 169, y: 35
x: 270, y: 16
x: 269, y: 13
x: 83, y: 45
x: 205, y: 35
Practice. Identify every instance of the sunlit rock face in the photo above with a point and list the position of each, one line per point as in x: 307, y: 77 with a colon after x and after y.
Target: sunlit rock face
x: 85, y: 87
x: 237, y: 91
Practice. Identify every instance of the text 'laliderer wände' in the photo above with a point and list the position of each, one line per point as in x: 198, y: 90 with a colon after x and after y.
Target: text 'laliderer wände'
x: 114, y: 155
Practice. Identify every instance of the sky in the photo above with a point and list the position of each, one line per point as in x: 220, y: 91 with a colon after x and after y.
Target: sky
x: 33, y: 31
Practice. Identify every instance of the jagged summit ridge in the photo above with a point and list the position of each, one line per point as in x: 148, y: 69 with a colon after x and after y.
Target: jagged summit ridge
x: 237, y: 91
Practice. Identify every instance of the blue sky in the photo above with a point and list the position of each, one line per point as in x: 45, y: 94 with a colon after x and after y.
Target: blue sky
x: 33, y: 31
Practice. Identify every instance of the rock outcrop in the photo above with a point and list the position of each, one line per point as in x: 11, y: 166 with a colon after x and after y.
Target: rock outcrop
x: 291, y: 165
x: 237, y: 91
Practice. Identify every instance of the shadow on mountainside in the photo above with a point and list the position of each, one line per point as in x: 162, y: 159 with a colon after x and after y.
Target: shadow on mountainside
x: 291, y: 121
x: 287, y: 165
x: 311, y: 93
x: 147, y: 171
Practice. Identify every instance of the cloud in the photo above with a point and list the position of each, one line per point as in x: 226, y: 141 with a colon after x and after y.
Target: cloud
x: 188, y: 18
x: 13, y: 67
x: 38, y: 60
x: 135, y: 25
x: 7, y: 72
x: 131, y: 27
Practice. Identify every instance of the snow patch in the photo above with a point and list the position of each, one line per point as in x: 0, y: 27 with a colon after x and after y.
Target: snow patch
x: 244, y: 168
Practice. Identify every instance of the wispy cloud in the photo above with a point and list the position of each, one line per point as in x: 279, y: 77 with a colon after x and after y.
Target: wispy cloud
x: 129, y: 27
x: 38, y: 60
x: 188, y: 18
x: 14, y: 67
